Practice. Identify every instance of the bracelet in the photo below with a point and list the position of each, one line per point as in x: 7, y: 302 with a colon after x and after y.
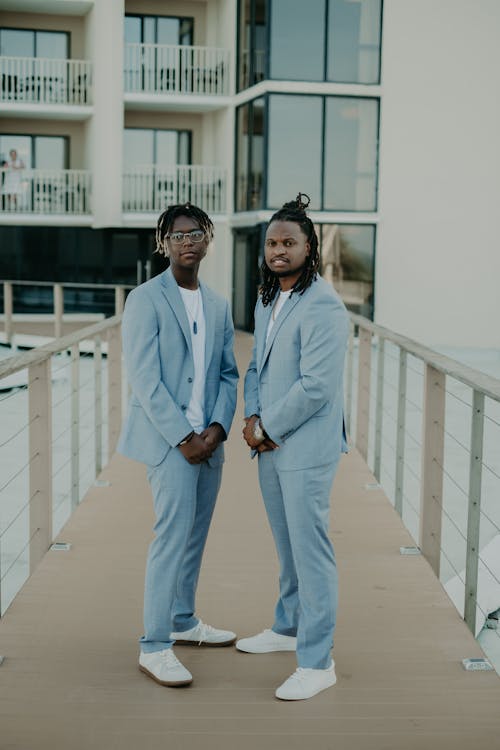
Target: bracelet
x: 187, y: 438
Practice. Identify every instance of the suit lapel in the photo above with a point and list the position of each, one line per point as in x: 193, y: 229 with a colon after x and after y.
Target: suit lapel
x: 209, y: 311
x: 284, y: 313
x: 174, y: 299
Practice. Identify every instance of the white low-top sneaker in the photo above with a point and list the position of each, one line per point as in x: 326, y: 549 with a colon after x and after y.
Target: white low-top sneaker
x: 204, y: 635
x: 304, y: 683
x: 267, y: 641
x: 165, y: 668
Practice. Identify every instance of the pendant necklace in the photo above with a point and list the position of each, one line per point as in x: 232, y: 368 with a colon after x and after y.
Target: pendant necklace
x: 195, y: 316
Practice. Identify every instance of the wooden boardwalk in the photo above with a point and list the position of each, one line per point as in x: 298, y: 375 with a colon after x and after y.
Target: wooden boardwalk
x: 70, y: 677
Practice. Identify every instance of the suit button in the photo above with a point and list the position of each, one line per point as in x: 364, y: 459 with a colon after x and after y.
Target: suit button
x: 183, y: 407
x: 190, y: 380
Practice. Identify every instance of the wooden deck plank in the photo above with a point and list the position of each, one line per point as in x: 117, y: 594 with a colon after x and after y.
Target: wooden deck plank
x: 70, y: 677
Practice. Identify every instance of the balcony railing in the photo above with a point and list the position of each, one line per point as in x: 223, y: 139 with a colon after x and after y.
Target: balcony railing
x: 173, y: 69
x: 153, y: 188
x: 43, y: 81
x: 46, y: 191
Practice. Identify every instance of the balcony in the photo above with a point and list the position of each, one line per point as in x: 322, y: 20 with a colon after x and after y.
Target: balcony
x: 150, y: 189
x: 176, y: 72
x: 46, y: 191
x: 35, y: 80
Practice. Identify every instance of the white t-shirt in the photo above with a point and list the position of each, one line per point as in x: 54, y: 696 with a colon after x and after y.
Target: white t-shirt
x: 283, y: 296
x: 193, y: 303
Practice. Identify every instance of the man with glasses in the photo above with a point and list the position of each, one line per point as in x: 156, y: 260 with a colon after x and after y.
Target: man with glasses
x: 178, y: 349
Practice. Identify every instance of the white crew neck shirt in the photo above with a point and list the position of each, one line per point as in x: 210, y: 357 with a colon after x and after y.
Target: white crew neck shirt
x: 193, y: 302
x: 283, y: 296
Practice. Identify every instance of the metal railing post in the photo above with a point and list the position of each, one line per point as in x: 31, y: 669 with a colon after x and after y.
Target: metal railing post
x: 114, y: 388
x: 40, y: 467
x: 58, y: 310
x: 363, y: 410
x: 75, y: 426
x: 379, y: 409
x: 474, y: 513
x: 98, y: 404
x: 349, y: 373
x: 7, y: 310
x: 400, y: 433
x: 432, y: 462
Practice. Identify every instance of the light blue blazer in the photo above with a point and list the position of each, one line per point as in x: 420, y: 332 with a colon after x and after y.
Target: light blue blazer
x: 160, y: 368
x: 295, y: 380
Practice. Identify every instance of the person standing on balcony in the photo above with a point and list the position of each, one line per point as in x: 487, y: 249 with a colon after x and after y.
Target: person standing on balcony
x: 294, y: 422
x: 178, y: 350
x: 12, y: 184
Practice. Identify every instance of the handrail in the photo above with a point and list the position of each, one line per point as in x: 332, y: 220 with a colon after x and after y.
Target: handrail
x: 43, y: 80
x: 467, y: 375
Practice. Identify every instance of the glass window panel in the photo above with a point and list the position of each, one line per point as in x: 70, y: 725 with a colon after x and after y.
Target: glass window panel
x: 149, y: 30
x: 351, y: 154
x: 184, y: 147
x: 257, y: 154
x: 294, y: 161
x: 138, y: 148
x: 133, y: 30
x: 17, y: 43
x: 19, y: 143
x: 50, y: 152
x: 347, y: 262
x: 242, y: 166
x: 298, y: 39
x: 186, y: 30
x: 168, y: 31
x: 166, y: 147
x: 354, y: 40
x: 52, y: 45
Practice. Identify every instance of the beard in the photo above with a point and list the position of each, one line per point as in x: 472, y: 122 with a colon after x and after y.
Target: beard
x: 287, y: 272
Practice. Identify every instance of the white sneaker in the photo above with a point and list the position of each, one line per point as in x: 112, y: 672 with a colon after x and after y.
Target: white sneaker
x: 204, y: 635
x: 267, y: 641
x: 304, y: 683
x: 165, y: 668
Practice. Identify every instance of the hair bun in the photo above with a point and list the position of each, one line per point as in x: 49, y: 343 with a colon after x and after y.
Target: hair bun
x: 300, y: 203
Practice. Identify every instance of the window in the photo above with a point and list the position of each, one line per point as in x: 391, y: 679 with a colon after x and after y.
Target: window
x: 27, y: 43
x: 36, y: 151
x: 318, y: 40
x: 250, y: 155
x: 145, y: 148
x: 158, y: 30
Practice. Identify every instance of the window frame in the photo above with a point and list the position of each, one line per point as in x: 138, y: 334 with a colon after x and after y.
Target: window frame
x: 142, y: 16
x: 66, y: 142
x: 45, y: 31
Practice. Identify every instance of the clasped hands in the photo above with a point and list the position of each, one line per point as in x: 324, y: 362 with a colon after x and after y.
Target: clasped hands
x: 200, y: 447
x: 261, y: 446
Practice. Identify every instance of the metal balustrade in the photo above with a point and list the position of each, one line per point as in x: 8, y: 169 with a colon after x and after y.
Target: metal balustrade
x: 176, y: 69
x: 47, y: 191
x: 429, y: 428
x: 39, y: 80
x: 151, y: 188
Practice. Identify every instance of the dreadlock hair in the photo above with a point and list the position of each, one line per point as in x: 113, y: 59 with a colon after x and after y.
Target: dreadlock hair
x: 293, y: 211
x: 167, y: 218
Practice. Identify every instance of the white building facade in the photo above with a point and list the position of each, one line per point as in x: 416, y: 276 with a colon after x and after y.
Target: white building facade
x: 382, y: 112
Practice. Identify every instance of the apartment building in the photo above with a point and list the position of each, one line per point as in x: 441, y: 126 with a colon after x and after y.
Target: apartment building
x: 112, y: 109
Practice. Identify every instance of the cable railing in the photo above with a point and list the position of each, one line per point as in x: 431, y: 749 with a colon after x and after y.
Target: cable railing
x: 39, y: 80
x: 429, y: 428
x: 59, y: 293
x: 58, y: 430
x: 151, y: 188
x: 176, y: 69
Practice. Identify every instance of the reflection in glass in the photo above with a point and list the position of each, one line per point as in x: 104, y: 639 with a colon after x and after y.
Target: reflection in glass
x: 257, y: 154
x: 158, y: 29
x: 252, y: 42
x: 351, y: 154
x: 19, y: 143
x: 347, y: 262
x: 242, y: 157
x: 354, y: 41
x: 297, y: 40
x: 294, y: 161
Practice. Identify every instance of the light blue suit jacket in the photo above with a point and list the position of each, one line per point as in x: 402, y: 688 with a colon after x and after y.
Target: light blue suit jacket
x: 295, y: 380
x: 160, y: 368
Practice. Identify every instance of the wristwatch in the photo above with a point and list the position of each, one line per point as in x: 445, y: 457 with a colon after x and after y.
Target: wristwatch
x: 187, y: 438
x: 258, y: 432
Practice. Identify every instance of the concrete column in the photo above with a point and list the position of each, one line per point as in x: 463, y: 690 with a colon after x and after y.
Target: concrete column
x: 104, y: 132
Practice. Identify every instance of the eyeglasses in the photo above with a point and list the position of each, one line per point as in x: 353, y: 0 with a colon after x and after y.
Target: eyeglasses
x: 195, y: 235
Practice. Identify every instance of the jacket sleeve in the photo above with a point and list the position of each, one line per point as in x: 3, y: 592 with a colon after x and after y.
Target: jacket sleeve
x: 142, y: 362
x: 323, y: 340
x: 225, y: 404
x: 252, y: 404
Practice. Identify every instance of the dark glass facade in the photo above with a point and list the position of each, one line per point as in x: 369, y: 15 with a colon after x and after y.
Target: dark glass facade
x: 321, y: 40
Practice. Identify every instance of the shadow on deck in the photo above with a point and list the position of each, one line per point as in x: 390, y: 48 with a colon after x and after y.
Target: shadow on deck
x: 70, y: 677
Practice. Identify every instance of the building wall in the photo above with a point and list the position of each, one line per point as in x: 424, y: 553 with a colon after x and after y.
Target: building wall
x: 438, y: 254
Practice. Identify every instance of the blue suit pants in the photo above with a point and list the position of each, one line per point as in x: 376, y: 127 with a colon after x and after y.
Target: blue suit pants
x: 298, y: 507
x: 184, y: 498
